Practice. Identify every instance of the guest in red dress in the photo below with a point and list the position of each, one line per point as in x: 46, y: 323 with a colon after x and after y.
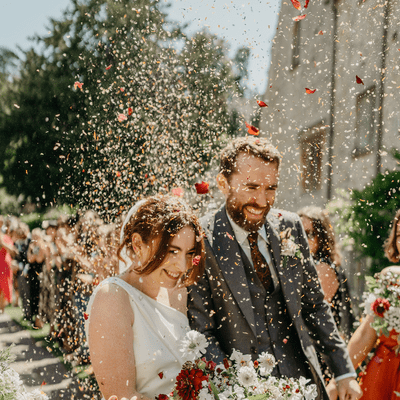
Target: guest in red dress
x: 6, y: 250
x: 381, y: 379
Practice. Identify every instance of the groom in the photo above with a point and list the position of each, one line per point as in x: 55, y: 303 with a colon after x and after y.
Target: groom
x: 253, y: 298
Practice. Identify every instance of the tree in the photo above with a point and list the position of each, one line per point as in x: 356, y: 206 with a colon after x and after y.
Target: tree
x: 366, y: 215
x: 170, y: 90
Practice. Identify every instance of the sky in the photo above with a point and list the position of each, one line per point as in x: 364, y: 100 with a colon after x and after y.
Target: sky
x: 240, y: 22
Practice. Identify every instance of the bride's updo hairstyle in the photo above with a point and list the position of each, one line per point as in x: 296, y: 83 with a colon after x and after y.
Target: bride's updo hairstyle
x: 157, y: 221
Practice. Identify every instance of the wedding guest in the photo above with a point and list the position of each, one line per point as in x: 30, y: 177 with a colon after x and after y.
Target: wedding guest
x: 261, y: 292
x: 36, y: 257
x: 381, y: 379
x: 64, y: 318
x: 136, y: 319
x: 327, y: 259
x: 19, y: 233
x: 47, y: 297
x: 7, y: 250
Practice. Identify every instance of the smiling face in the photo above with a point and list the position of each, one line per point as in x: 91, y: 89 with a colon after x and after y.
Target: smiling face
x: 181, y: 251
x: 250, y: 191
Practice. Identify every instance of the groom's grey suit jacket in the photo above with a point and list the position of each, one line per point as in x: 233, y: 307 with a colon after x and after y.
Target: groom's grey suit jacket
x: 220, y: 305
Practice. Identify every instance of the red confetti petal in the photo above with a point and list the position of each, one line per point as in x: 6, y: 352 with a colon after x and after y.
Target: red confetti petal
x: 299, y: 17
x: 130, y: 111
x: 296, y: 4
x: 86, y: 316
x: 285, y: 341
x: 78, y: 85
x: 202, y: 188
x: 118, y: 173
x: 261, y: 103
x: 43, y: 383
x: 310, y: 91
x: 359, y: 80
x: 306, y: 5
x: 177, y: 191
x: 320, y: 33
x: 122, y: 117
x: 252, y: 129
x: 107, y: 68
x: 229, y: 236
x: 161, y: 375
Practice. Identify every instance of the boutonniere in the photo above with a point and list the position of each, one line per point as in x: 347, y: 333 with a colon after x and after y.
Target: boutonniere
x: 288, y: 246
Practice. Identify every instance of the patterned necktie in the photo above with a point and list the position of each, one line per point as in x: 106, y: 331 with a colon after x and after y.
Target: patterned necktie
x: 259, y: 262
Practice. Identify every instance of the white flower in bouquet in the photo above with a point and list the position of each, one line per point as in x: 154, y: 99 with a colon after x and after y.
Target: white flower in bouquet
x: 239, y: 391
x: 310, y: 392
x: 11, y: 386
x: 241, y: 359
x: 393, y: 318
x: 226, y: 394
x: 193, y: 345
x: 247, y: 376
x: 267, y: 363
x: 204, y: 394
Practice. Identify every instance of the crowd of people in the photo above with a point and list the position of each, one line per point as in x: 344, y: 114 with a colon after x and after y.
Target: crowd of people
x: 51, y: 271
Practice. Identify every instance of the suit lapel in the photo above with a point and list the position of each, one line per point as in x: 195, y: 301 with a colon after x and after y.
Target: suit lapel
x: 285, y: 276
x: 227, y: 253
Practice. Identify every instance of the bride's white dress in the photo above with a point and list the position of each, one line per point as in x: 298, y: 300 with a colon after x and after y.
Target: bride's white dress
x: 157, y: 331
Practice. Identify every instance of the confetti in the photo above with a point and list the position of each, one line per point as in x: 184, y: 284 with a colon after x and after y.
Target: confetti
x: 310, y: 91
x: 261, y: 103
x: 122, y: 117
x: 177, y: 191
x: 252, y: 130
x: 359, y: 80
x: 202, y: 188
x: 299, y: 17
x: 296, y: 4
x: 78, y: 85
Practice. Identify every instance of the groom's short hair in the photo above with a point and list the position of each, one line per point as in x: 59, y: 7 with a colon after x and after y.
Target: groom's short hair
x: 257, y: 147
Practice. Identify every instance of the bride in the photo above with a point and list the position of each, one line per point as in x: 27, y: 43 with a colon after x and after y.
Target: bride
x: 135, y: 321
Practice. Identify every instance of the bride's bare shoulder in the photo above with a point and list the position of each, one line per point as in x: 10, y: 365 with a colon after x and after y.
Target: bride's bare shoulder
x: 110, y: 301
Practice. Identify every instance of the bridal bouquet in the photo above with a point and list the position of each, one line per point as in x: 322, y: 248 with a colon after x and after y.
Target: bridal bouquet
x: 383, y: 298
x: 238, y: 378
x: 11, y: 386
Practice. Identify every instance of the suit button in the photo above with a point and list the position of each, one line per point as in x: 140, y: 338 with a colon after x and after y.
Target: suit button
x: 253, y: 350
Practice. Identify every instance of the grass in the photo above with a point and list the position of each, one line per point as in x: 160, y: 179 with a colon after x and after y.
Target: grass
x: 44, y: 339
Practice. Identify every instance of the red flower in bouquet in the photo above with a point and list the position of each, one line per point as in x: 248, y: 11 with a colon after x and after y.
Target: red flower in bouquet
x: 189, y: 383
x: 210, y: 365
x: 380, y: 306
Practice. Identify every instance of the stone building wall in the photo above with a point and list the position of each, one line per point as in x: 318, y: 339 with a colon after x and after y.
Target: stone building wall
x: 334, y: 140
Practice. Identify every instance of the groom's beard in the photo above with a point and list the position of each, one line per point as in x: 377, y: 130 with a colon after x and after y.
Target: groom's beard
x: 236, y: 212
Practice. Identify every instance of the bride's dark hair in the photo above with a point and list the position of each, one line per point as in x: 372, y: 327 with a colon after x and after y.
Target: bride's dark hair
x: 157, y: 221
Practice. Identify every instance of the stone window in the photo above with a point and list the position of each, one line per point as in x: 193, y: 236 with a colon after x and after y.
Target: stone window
x: 296, y: 45
x: 365, y: 122
x: 312, y: 148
